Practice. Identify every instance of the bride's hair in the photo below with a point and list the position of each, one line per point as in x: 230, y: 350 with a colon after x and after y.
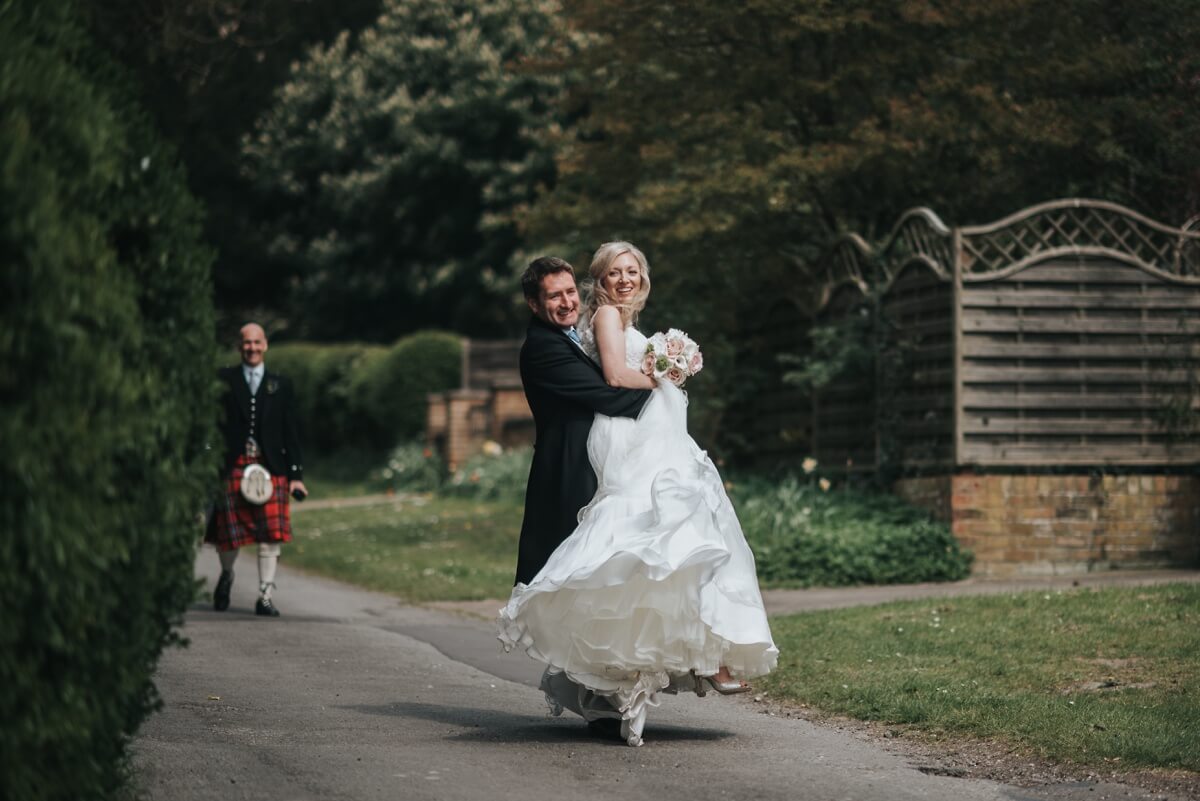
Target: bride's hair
x: 598, y: 296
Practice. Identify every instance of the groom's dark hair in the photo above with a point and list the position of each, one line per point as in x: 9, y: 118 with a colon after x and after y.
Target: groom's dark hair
x: 539, y: 268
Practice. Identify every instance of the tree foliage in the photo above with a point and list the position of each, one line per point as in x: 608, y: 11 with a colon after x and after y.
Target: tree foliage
x: 107, y: 399
x: 206, y: 70
x: 733, y: 141
x: 389, y: 164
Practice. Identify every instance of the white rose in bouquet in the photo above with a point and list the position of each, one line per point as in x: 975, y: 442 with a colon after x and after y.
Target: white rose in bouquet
x: 672, y: 356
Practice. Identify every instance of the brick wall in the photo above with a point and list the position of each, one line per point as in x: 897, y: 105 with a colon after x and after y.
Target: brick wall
x: 458, y: 422
x: 1061, y: 524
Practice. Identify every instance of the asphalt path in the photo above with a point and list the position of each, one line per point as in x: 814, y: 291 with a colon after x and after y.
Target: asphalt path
x: 354, y: 695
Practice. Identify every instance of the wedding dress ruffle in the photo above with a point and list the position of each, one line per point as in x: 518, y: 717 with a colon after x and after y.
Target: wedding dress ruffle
x: 656, y: 582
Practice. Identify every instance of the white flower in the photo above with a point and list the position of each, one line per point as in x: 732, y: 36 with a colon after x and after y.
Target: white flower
x: 824, y: 485
x: 492, y: 448
x: 809, y: 464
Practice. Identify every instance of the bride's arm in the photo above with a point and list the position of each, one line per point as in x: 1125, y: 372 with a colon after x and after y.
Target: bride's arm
x: 610, y: 342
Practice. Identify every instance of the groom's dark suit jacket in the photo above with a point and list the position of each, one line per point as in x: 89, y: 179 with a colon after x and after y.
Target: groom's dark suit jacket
x: 565, y: 390
x: 270, y: 413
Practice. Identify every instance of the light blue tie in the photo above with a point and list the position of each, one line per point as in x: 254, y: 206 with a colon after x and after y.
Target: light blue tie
x: 574, y: 335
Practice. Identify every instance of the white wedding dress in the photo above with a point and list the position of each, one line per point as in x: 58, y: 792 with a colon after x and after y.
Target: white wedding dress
x: 657, y: 581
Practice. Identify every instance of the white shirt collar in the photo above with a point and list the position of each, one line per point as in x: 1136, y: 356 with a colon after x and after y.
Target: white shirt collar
x: 258, y: 371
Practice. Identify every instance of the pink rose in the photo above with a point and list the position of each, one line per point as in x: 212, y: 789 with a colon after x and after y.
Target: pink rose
x: 697, y: 363
x: 674, y: 348
x: 648, y: 364
x: 676, y: 376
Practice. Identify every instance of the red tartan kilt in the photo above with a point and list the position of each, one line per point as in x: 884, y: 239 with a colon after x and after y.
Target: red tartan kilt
x: 237, y: 522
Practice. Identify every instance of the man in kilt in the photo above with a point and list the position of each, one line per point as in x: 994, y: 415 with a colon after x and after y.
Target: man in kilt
x: 259, y: 427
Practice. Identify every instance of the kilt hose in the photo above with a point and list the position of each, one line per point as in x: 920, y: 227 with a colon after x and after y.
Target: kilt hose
x: 237, y: 522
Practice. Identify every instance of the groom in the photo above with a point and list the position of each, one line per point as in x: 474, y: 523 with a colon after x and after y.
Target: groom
x: 565, y: 390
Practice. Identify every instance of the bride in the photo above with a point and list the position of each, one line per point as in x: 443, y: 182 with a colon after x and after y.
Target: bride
x: 655, y: 590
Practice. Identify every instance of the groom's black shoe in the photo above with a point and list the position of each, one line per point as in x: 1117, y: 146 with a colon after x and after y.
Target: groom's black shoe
x: 221, y: 593
x: 605, y: 728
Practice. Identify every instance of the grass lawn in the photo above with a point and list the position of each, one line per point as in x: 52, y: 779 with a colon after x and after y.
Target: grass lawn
x: 325, y: 487
x: 439, y: 549
x: 1108, y: 677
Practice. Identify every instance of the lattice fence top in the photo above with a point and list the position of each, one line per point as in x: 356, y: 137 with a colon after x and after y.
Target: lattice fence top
x: 1080, y: 227
x: 849, y: 261
x: 919, y: 235
x: 1075, y: 227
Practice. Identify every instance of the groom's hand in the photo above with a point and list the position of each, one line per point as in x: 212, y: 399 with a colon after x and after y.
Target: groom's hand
x: 298, y: 490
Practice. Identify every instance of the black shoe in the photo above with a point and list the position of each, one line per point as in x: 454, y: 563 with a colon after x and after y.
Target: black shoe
x: 264, y: 607
x: 221, y: 593
x: 605, y: 728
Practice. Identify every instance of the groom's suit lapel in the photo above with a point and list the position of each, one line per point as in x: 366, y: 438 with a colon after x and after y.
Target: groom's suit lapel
x: 576, y: 349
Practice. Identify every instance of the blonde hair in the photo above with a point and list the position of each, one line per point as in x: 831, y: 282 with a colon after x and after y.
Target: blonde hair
x: 598, y: 296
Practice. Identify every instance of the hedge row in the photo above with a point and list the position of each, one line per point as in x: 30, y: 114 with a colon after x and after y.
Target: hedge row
x: 106, y: 401
x: 367, y: 397
x: 804, y: 533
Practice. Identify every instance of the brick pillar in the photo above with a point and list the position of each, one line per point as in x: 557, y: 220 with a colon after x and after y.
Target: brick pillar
x: 466, y: 409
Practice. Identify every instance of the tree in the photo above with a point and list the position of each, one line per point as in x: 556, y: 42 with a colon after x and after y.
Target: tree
x: 734, y: 141
x: 389, y: 165
x: 206, y: 70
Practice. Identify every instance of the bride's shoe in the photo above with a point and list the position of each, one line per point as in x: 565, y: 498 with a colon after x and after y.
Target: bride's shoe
x: 723, y: 687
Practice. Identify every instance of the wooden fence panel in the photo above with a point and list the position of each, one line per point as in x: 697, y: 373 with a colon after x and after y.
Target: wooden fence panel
x: 777, y: 427
x: 491, y: 362
x: 844, y: 431
x: 1079, y: 360
x: 916, y: 415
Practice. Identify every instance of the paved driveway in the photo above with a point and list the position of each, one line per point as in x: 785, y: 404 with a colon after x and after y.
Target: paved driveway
x: 352, y: 695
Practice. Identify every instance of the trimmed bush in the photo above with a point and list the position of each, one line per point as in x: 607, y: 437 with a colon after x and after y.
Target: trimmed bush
x: 802, y: 535
x: 107, y: 397
x: 367, y: 397
x: 331, y: 419
x: 390, y: 388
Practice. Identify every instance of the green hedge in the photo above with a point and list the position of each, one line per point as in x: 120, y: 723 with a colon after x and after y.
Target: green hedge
x: 322, y: 374
x: 803, y: 535
x: 367, y: 397
x: 106, y: 401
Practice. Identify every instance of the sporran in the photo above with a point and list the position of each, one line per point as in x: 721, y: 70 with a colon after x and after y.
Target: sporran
x: 256, y: 484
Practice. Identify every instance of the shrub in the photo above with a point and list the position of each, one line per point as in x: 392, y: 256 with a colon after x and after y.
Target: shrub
x: 390, y: 388
x: 358, y: 397
x: 803, y: 535
x: 331, y: 419
x: 107, y: 402
x: 411, y: 467
x: 495, y: 474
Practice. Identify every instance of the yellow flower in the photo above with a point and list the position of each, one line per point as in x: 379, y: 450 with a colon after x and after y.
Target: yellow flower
x: 808, y: 465
x: 824, y: 485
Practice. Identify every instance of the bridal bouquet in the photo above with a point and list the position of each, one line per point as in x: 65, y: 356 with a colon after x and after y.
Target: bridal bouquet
x: 673, y: 356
